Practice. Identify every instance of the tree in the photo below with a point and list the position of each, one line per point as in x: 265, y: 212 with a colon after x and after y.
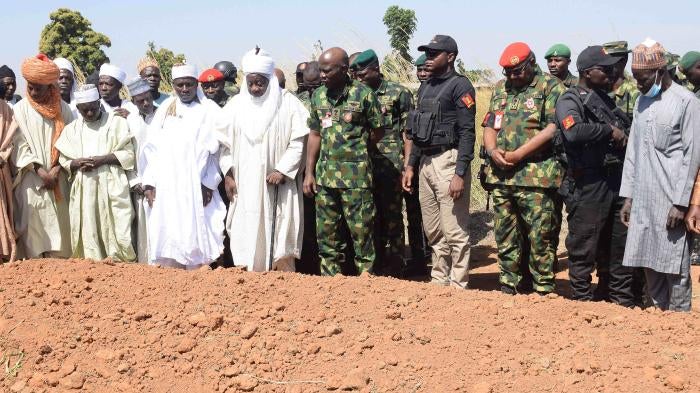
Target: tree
x: 166, y: 60
x: 401, y: 24
x: 70, y: 35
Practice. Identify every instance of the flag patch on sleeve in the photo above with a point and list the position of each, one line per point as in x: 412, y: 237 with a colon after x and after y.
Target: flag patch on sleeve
x: 568, y: 122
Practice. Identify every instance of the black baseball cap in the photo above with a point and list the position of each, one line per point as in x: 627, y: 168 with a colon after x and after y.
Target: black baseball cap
x: 594, y: 56
x: 441, y: 43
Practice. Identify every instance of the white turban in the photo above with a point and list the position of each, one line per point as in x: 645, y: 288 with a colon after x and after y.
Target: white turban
x: 85, y: 94
x: 64, y: 64
x: 185, y: 71
x: 137, y: 86
x: 113, y: 71
x: 258, y: 63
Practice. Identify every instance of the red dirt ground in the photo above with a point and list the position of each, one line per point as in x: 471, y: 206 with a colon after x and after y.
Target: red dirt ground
x: 107, y: 327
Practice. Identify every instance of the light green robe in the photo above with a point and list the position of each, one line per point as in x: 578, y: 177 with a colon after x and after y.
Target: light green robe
x: 41, y: 222
x: 100, y: 203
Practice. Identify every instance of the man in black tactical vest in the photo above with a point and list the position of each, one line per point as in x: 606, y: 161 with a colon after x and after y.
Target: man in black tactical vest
x: 442, y: 131
x: 595, y: 132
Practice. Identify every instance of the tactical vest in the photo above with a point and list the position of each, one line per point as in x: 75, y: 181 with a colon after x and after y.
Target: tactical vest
x: 430, y: 123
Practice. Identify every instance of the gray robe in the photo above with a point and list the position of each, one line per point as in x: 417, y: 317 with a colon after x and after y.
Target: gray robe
x: 663, y: 155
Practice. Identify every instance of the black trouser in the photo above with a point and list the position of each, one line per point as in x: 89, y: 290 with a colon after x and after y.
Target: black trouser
x: 310, y: 262
x: 596, y: 234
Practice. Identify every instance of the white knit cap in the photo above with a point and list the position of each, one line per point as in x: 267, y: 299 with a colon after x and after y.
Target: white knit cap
x: 85, y: 94
x: 113, y: 71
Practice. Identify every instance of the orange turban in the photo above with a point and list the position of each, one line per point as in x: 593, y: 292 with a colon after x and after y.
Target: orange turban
x: 41, y: 70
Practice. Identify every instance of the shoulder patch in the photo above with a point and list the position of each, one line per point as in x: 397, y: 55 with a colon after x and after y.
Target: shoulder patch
x: 568, y: 122
x: 468, y: 100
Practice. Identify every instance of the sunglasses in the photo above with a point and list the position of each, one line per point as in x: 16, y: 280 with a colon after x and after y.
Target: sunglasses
x: 519, y: 70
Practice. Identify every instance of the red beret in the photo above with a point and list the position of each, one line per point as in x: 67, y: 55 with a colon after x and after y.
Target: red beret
x: 211, y: 75
x: 514, y: 54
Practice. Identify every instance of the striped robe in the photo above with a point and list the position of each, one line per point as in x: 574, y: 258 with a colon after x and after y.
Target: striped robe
x: 663, y: 155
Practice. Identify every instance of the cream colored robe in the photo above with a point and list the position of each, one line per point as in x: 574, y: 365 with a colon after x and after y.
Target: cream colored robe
x: 100, y: 201
x: 249, y: 220
x: 41, y: 221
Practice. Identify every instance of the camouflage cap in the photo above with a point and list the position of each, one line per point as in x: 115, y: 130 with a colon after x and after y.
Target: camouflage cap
x: 671, y: 60
x: 420, y: 61
x: 558, y: 50
x: 365, y: 59
x: 616, y: 48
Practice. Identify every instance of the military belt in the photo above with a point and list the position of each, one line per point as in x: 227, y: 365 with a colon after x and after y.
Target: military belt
x: 435, y: 150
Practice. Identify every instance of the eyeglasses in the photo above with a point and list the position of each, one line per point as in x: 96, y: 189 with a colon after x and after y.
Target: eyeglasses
x: 516, y: 70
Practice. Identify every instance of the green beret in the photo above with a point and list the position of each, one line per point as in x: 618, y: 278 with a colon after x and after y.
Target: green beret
x: 688, y: 60
x: 616, y: 48
x: 365, y: 59
x: 420, y: 61
x: 558, y: 50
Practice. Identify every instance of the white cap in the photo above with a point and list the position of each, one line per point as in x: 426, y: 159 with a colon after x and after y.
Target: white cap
x: 137, y: 86
x: 113, y: 71
x: 184, y: 71
x: 85, y: 94
x: 64, y: 64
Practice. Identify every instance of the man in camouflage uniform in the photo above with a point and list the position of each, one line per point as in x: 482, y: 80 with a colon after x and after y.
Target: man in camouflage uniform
x: 230, y: 73
x: 558, y: 59
x: 689, y: 65
x: 625, y: 92
x: 518, y: 129
x: 387, y: 162
x: 311, y: 79
x: 345, y: 119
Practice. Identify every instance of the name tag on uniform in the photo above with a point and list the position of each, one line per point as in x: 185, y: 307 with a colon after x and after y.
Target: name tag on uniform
x: 327, y: 121
x: 497, y: 120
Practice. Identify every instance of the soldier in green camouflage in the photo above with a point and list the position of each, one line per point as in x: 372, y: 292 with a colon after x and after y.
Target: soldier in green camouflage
x: 396, y: 102
x: 625, y: 92
x: 345, y: 120
x: 558, y: 59
x: 518, y: 129
x: 311, y: 79
x: 689, y: 65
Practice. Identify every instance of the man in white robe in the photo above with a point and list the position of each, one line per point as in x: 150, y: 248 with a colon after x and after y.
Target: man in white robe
x: 261, y: 158
x: 40, y: 186
x: 141, y: 112
x: 97, y: 150
x: 663, y: 155
x: 111, y: 80
x: 180, y: 176
x: 67, y: 83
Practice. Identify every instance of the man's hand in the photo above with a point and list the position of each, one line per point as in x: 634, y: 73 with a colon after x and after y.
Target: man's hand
x: 310, y: 188
x: 513, y: 157
x: 121, y: 112
x: 150, y: 194
x: 407, y: 179
x: 625, y: 212
x: 137, y: 189
x: 46, y: 178
x: 230, y: 186
x: 207, y: 195
x: 498, y: 156
x: 618, y: 137
x: 82, y: 164
x: 456, y: 187
x: 275, y: 178
x: 692, y: 219
x: 675, y: 216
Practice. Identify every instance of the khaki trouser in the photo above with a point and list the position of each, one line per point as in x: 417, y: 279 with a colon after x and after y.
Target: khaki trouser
x: 445, y: 221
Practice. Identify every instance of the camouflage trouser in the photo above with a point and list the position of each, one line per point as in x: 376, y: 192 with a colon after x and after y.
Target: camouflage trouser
x: 388, y: 198
x: 526, y: 213
x: 355, y: 206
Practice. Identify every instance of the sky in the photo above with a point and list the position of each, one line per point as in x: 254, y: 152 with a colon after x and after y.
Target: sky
x: 207, y: 31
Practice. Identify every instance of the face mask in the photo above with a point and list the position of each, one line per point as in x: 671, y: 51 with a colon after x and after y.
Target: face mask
x: 655, y: 89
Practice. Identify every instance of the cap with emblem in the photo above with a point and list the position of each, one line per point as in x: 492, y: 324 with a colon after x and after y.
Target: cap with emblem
x: 441, y: 43
x: 558, y: 50
x: 616, y: 48
x: 365, y: 59
x: 420, y: 61
x: 211, y: 75
x: 594, y: 56
x: 689, y: 60
x: 514, y: 54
